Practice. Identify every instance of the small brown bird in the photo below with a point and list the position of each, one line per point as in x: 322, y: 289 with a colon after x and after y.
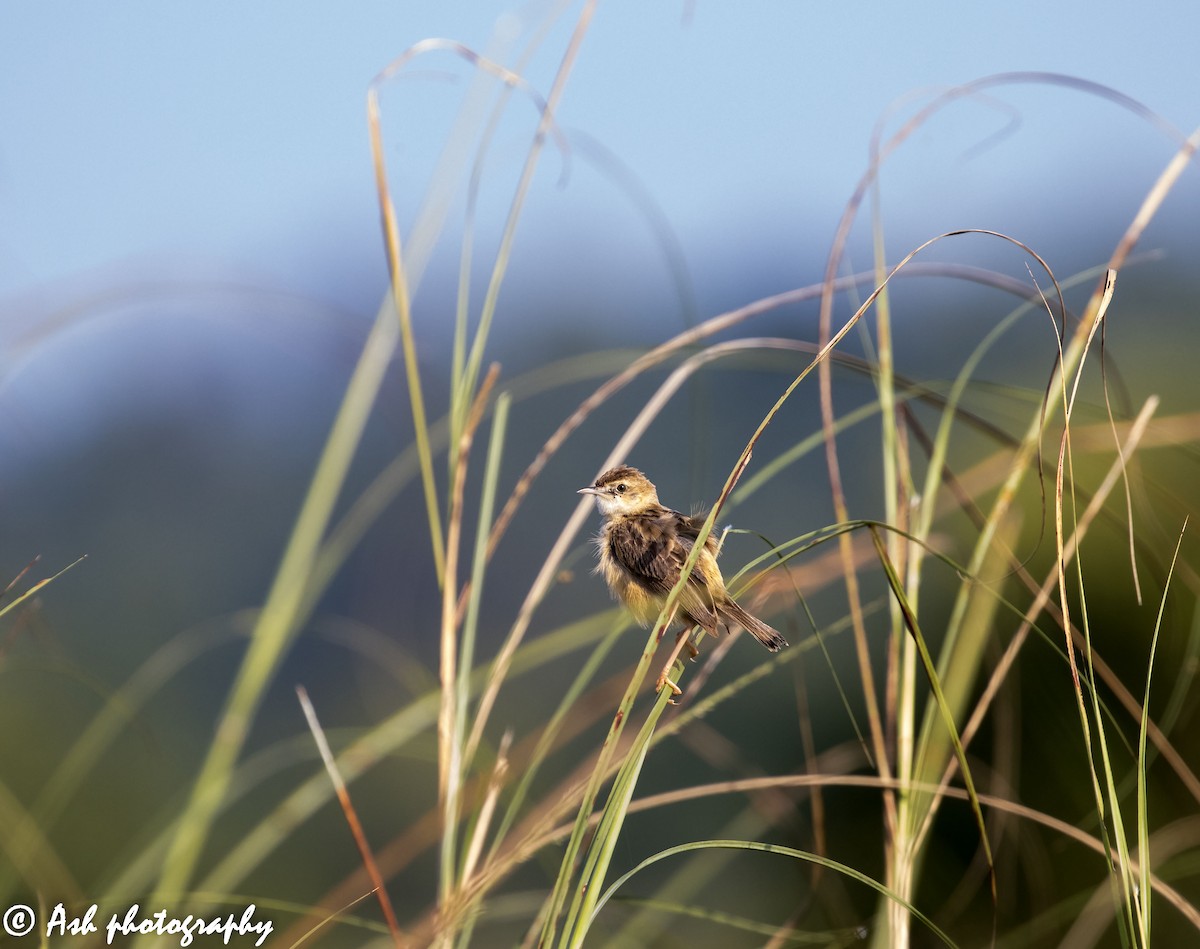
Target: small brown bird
x: 643, y: 547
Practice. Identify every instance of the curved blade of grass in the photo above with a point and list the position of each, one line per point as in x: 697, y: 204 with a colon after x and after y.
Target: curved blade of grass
x: 914, y: 629
x: 508, y: 234
x: 759, y: 847
x: 1061, y: 827
x: 646, y: 361
x: 941, y: 441
x: 405, y: 275
x: 604, y: 841
x: 866, y: 672
x: 587, y: 672
x: 562, y: 884
x: 542, y: 830
x: 1143, y: 807
x: 1092, y: 729
x: 276, y: 624
x: 364, y: 753
x: 605, y: 838
x: 789, y: 935
x: 830, y: 666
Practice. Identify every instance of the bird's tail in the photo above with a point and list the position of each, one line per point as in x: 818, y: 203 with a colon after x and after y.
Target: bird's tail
x: 753, y: 625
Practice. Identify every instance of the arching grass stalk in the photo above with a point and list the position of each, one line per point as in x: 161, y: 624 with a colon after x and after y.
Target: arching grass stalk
x: 562, y: 883
x: 405, y: 272
x: 882, y: 150
x: 755, y: 846
x: 1065, y: 829
x: 1144, y: 889
x: 277, y: 623
x: 921, y: 754
x: 465, y: 386
x: 287, y: 599
x: 669, y: 605
x: 466, y: 409
x: 600, y: 852
x: 1027, y: 617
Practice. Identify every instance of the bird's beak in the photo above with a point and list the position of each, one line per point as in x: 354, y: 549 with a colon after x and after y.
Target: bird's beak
x: 590, y: 489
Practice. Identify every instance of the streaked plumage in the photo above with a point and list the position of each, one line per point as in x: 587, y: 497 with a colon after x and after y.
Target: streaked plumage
x: 642, y: 549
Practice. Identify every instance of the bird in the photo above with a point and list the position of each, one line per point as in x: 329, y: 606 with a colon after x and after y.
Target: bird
x: 642, y: 548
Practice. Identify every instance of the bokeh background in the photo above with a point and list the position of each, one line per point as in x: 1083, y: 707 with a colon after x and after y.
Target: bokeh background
x: 190, y: 259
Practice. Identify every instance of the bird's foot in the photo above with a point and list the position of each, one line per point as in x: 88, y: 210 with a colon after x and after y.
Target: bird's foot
x: 664, y: 681
x: 664, y: 678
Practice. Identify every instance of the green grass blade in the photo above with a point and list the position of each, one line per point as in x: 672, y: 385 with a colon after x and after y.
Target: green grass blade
x: 276, y: 625
x: 605, y: 840
x: 401, y: 286
x: 562, y: 883
x: 1145, y: 889
x: 369, y: 749
x: 755, y: 846
x: 914, y: 629
x: 479, y: 563
x: 546, y: 741
x: 545, y: 123
x: 789, y: 935
x: 37, y: 587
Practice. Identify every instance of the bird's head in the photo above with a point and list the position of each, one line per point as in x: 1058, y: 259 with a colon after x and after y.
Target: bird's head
x: 622, y: 490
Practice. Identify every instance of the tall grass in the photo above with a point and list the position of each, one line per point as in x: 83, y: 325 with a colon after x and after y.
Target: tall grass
x: 530, y: 830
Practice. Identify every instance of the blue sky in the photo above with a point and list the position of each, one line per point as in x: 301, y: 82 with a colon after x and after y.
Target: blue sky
x: 229, y: 138
x: 152, y: 154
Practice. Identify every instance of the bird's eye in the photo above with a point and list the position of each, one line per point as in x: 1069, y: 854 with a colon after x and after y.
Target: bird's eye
x: 622, y: 488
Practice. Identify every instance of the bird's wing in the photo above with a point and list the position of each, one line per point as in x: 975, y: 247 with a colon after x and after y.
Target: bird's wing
x: 654, y: 550
x: 644, y: 548
x: 689, y: 529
